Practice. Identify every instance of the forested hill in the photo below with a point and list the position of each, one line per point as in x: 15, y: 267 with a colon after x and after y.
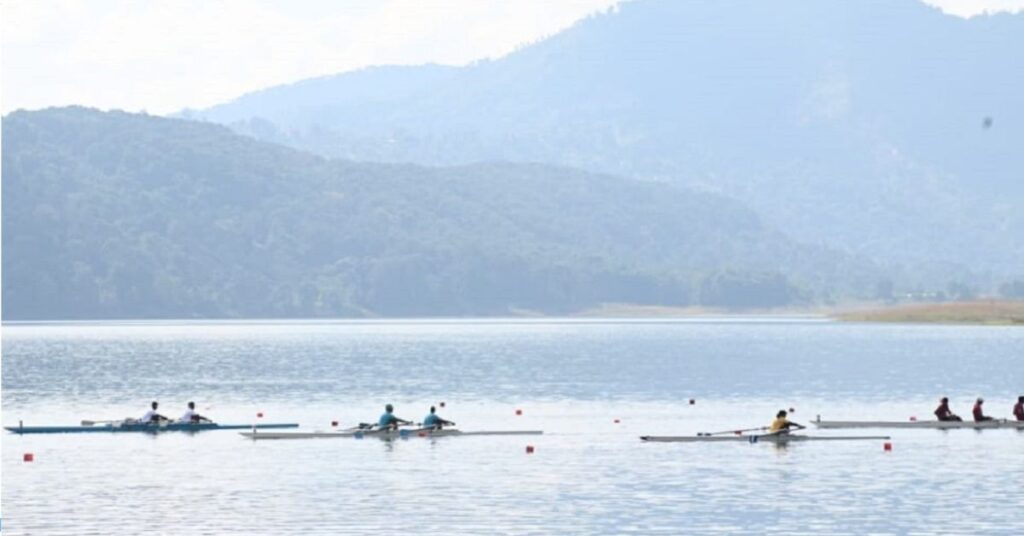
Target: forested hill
x: 881, y: 127
x: 116, y: 215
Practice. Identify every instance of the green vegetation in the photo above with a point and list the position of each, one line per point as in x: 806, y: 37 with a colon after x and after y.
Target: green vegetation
x: 115, y: 215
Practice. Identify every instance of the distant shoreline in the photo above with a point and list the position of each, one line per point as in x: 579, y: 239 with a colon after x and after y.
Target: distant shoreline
x: 979, y: 312
x: 625, y: 310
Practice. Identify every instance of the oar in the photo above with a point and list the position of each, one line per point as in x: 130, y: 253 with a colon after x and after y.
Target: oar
x: 708, y: 434
x: 784, y: 431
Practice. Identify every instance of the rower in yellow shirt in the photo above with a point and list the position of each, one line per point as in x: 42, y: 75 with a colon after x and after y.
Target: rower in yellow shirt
x: 781, y: 424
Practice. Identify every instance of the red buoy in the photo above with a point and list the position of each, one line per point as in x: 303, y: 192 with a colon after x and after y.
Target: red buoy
x: 792, y: 410
x: 692, y: 401
x: 913, y: 418
x: 29, y: 457
x: 519, y: 412
x: 441, y: 404
x: 529, y: 449
x: 616, y: 421
x: 334, y: 423
x: 887, y: 447
x: 259, y: 415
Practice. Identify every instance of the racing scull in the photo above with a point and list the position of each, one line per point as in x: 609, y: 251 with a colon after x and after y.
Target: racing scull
x: 402, y: 433
x: 137, y: 427
x: 930, y: 424
x: 756, y: 438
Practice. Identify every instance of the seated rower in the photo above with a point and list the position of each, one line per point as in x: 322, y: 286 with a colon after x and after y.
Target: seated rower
x: 152, y: 417
x: 435, y: 422
x: 1018, y: 410
x: 943, y: 412
x: 781, y: 424
x: 190, y: 415
x: 388, y: 419
x: 979, y: 415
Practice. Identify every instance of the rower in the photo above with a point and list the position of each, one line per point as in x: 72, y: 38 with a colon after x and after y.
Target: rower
x: 943, y: 413
x: 781, y: 424
x: 190, y: 415
x: 979, y: 415
x: 1018, y: 410
x: 435, y: 422
x: 152, y: 417
x: 388, y: 419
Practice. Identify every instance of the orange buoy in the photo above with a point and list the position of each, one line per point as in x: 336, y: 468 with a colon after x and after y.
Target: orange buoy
x: 887, y: 447
x: 529, y: 449
x: 29, y: 457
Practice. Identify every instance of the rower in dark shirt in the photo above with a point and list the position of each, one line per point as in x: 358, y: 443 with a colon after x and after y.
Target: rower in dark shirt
x: 1018, y: 410
x: 979, y: 415
x: 943, y: 412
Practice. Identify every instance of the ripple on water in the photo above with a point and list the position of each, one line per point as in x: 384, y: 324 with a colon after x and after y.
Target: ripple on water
x: 587, y: 476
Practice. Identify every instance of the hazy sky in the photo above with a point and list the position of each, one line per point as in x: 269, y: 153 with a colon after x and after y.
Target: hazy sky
x: 162, y: 56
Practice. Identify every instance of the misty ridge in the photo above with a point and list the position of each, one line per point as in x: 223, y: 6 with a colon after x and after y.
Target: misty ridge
x: 729, y: 154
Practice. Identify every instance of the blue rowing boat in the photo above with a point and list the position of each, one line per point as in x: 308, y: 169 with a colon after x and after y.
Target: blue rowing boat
x: 136, y: 427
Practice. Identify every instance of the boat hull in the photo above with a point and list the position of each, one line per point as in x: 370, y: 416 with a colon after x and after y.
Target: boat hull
x: 384, y: 434
x: 144, y: 428
x: 765, y: 438
x: 936, y: 425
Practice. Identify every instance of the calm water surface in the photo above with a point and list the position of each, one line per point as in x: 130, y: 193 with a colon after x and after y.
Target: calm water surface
x: 588, y: 475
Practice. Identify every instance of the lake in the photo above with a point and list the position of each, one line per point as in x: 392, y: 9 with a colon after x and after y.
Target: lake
x: 571, y: 378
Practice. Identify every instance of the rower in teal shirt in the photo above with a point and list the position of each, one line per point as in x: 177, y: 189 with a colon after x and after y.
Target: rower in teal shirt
x: 388, y: 419
x: 433, y: 421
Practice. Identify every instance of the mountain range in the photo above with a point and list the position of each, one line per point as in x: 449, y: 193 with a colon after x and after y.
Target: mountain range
x: 117, y: 215
x: 880, y: 128
x: 735, y: 154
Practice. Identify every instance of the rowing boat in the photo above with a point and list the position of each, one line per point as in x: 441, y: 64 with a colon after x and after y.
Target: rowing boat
x: 384, y: 434
x: 137, y: 427
x: 939, y: 425
x: 756, y: 438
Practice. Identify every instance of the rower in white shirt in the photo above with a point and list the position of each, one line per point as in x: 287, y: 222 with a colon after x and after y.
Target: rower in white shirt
x: 191, y: 415
x: 152, y: 417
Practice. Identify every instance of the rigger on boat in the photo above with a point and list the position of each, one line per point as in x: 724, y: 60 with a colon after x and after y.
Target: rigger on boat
x: 778, y: 432
x: 945, y: 419
x: 131, y: 426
